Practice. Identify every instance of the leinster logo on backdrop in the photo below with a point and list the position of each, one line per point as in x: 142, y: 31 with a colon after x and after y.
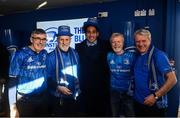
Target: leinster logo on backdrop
x: 51, y: 39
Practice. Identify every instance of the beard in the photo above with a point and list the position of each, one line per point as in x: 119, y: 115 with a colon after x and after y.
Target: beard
x: 64, y: 47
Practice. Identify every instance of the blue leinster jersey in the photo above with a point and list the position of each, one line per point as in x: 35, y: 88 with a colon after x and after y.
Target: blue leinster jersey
x: 121, y: 67
x: 29, y: 68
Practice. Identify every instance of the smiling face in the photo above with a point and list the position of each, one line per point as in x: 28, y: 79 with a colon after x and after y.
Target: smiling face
x: 91, y: 34
x: 64, y: 42
x: 142, y: 43
x: 142, y: 40
x: 38, y: 42
x: 117, y: 43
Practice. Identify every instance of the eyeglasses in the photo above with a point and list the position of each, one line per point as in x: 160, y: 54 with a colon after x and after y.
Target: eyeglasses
x: 40, y: 39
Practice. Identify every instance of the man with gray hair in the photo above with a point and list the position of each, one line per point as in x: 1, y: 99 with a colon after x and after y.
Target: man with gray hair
x: 154, y: 77
x: 27, y: 78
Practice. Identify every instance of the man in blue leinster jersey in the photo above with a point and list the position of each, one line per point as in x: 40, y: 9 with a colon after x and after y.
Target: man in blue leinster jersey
x: 27, y: 78
x: 121, y: 70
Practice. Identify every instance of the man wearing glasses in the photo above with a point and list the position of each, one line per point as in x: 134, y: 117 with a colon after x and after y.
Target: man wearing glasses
x: 27, y: 83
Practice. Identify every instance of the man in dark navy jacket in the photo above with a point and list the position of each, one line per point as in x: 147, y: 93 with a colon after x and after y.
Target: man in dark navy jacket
x: 94, y: 80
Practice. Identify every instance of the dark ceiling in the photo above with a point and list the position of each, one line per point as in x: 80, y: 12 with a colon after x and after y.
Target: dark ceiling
x: 18, y: 6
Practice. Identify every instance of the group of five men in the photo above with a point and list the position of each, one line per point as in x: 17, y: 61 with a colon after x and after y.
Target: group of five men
x: 91, y: 80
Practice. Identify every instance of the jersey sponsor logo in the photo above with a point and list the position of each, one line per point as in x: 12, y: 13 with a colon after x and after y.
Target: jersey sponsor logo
x: 120, y: 70
x: 36, y: 67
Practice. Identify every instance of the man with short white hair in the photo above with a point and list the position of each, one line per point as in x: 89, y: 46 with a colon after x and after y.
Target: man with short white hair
x: 121, y: 63
x: 154, y: 77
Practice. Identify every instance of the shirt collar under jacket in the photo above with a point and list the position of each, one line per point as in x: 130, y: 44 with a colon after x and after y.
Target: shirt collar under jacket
x: 91, y: 43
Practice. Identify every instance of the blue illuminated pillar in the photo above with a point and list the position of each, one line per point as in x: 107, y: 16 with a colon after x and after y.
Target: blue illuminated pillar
x: 129, y: 36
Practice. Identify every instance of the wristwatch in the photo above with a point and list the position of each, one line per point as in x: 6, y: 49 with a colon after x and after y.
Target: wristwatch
x: 155, y: 96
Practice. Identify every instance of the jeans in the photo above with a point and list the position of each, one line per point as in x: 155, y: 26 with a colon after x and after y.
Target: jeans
x: 121, y: 104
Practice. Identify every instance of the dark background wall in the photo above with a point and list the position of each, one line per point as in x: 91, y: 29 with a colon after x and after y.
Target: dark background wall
x: 177, y: 42
x: 119, y: 12
x: 172, y: 42
x: 165, y: 21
